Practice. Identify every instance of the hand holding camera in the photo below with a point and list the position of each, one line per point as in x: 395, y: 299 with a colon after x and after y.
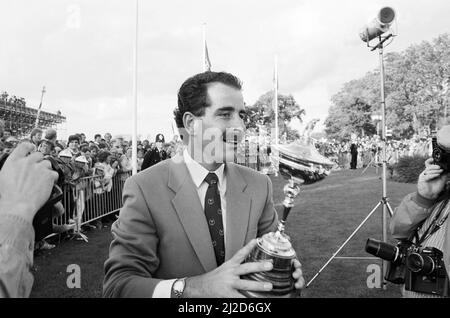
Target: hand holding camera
x: 26, y: 182
x: 432, y: 180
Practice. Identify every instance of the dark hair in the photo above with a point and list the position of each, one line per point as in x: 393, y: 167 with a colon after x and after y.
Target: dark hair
x: 97, y: 135
x: 85, y: 149
x: 50, y: 134
x: 74, y: 137
x: 48, y: 143
x: 35, y: 131
x: 193, y: 94
x: 94, y: 147
x: 102, y: 156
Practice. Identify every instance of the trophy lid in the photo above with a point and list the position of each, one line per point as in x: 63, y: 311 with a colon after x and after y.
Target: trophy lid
x: 277, y: 244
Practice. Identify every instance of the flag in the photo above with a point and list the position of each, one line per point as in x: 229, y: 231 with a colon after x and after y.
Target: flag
x: 207, y: 62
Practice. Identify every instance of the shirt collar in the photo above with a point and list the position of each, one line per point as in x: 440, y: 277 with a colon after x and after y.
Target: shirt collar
x: 198, y: 172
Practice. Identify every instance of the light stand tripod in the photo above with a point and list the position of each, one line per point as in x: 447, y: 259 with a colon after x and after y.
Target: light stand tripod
x: 384, y: 200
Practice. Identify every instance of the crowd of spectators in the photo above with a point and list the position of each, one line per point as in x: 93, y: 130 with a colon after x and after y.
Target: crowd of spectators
x: 99, y: 159
x: 369, y: 150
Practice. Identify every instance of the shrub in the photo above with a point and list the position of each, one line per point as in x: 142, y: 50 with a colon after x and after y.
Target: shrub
x: 408, y: 169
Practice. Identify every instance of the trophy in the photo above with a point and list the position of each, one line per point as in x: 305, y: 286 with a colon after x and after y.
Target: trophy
x: 277, y: 247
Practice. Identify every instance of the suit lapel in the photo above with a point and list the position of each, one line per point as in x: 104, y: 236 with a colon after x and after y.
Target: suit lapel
x: 238, y: 211
x: 189, y: 210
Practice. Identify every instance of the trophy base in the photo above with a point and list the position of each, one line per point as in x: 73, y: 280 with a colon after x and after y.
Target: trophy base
x: 280, y: 276
x: 253, y: 294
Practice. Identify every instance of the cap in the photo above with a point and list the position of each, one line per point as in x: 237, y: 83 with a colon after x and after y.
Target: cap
x: 81, y: 159
x: 159, y: 138
x: 65, y: 153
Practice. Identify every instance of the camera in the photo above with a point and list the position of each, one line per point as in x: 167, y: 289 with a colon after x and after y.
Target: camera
x: 396, y: 255
x: 421, y: 269
x: 441, y: 156
x: 42, y: 222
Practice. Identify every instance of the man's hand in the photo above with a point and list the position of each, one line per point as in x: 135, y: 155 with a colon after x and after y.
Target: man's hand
x: 298, y: 275
x: 225, y: 281
x: 26, y: 182
x: 431, y: 181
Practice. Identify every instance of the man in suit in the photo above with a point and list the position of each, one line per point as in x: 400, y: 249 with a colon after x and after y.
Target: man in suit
x: 425, y: 213
x: 155, y: 155
x: 188, y: 223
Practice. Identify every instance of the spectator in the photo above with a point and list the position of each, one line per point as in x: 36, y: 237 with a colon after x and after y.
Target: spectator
x: 16, y: 216
x: 46, y: 147
x: 86, y: 152
x: 51, y: 135
x: 6, y: 134
x: 126, y: 163
x: 74, y: 144
x: 108, y: 139
x: 36, y: 136
x: 82, y: 138
x: 105, y: 169
x: 140, y: 159
x: 97, y: 139
x: 155, y: 155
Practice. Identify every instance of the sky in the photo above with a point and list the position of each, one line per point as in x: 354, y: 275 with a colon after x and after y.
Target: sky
x: 82, y: 52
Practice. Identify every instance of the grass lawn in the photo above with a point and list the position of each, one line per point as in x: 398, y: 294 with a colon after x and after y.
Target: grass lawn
x: 325, y: 215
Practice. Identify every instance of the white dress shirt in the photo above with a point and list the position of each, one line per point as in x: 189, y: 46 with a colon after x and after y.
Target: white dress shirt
x: 198, y: 174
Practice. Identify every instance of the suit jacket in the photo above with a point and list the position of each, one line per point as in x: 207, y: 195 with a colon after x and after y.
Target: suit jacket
x: 409, y: 215
x: 162, y: 231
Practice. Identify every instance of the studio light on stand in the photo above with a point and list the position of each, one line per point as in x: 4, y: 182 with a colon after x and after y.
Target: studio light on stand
x: 380, y: 29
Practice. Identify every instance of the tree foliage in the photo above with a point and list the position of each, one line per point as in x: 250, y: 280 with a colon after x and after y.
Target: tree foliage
x: 262, y: 113
x: 416, y: 90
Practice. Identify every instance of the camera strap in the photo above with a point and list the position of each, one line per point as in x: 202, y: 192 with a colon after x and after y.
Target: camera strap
x: 435, y: 225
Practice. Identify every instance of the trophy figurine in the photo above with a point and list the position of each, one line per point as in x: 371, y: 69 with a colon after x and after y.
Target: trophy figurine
x: 277, y: 247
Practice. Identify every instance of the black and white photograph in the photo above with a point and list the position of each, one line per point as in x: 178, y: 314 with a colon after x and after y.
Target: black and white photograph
x: 243, y: 151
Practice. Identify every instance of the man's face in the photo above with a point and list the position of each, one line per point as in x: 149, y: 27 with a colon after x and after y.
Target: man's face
x: 222, y: 120
x: 44, y: 149
x: 37, y: 137
x: 83, y: 138
x: 6, y: 134
x: 98, y: 139
x: 73, y: 145
x: 87, y: 154
x: 158, y: 145
x: 108, y: 137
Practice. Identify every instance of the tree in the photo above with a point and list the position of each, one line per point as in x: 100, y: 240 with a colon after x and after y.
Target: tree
x: 416, y: 90
x: 262, y: 114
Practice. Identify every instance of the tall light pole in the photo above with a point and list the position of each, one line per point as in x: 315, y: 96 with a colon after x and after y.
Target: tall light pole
x: 36, y: 124
x: 135, y: 92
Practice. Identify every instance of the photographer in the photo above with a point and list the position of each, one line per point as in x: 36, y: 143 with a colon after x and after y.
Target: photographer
x: 424, y: 214
x: 23, y: 175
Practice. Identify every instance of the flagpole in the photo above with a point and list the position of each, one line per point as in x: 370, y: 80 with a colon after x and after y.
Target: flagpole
x: 276, y: 100
x: 135, y: 98
x: 36, y: 124
x: 204, y: 48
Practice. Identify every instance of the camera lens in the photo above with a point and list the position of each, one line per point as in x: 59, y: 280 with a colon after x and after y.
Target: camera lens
x: 382, y: 250
x: 418, y: 263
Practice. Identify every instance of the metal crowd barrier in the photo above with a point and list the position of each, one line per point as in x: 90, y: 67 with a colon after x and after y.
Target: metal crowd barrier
x: 90, y: 199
